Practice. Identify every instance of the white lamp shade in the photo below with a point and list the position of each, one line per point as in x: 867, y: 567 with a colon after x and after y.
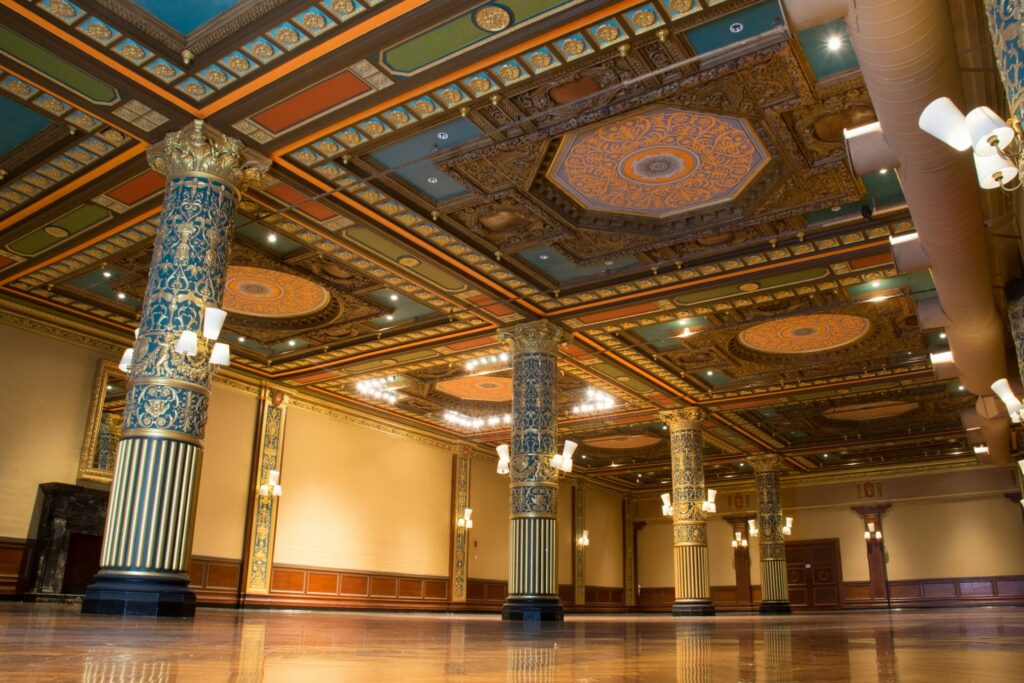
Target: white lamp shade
x: 556, y: 461
x: 567, y: 465
x: 941, y: 357
x: 943, y: 120
x: 503, y: 467
x: 568, y: 449
x: 502, y: 451
x: 666, y: 499
x: 213, y: 321
x: 125, y: 364
x: 981, y: 450
x: 789, y: 522
x: 984, y: 125
x: 712, y: 494
x: 277, y: 490
x: 136, y: 333
x: 221, y: 354
x: 274, y: 477
x: 467, y: 513
x: 188, y: 343
x: 264, y: 490
x: 1003, y: 391
x: 1020, y: 464
x: 993, y: 171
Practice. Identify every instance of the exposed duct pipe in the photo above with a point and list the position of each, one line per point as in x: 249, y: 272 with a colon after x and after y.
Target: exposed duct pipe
x: 868, y: 151
x: 908, y: 254
x: 907, y: 55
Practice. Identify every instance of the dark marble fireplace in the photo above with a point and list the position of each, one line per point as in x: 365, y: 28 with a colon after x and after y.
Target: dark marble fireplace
x: 68, y: 540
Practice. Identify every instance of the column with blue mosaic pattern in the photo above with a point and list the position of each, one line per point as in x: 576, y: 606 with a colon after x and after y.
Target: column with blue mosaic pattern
x: 689, y: 521
x: 147, y: 543
x: 1006, y: 23
x: 533, y: 576
x: 774, y: 576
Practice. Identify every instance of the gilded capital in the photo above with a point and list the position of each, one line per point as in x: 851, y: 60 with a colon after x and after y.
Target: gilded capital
x: 533, y: 337
x: 770, y: 462
x: 682, y: 418
x: 199, y: 150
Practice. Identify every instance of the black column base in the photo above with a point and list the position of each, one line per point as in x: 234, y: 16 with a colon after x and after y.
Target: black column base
x: 143, y: 596
x: 532, y: 609
x: 693, y: 609
x: 775, y: 608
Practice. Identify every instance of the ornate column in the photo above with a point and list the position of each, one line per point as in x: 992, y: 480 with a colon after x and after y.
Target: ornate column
x: 1005, y: 19
x: 460, y: 534
x: 263, y: 522
x: 533, y: 579
x: 629, y: 550
x: 579, y: 553
x: 774, y: 579
x: 689, y: 521
x: 147, y: 544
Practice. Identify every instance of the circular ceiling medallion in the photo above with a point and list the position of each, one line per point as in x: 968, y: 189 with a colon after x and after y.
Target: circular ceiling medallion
x: 658, y: 162
x: 492, y: 18
x: 482, y: 388
x: 805, y: 333
x: 623, y: 442
x: 264, y: 293
x: 864, y: 412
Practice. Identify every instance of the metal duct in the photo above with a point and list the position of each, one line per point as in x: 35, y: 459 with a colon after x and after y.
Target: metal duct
x: 907, y: 55
x: 908, y: 253
x: 868, y: 151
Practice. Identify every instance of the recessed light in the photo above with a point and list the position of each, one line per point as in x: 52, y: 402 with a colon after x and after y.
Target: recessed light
x: 241, y: 339
x: 876, y: 284
x: 836, y: 209
x: 736, y: 27
x: 271, y: 237
x: 824, y: 455
x: 442, y: 135
x: 389, y: 317
x: 543, y: 257
x: 584, y: 457
x: 121, y: 295
x: 291, y: 342
x: 432, y: 180
x: 107, y: 273
x: 884, y: 171
x: 942, y: 335
x: 393, y: 297
x: 710, y: 372
x: 834, y: 43
x: 960, y: 388
x: 110, y: 387
x: 609, y: 262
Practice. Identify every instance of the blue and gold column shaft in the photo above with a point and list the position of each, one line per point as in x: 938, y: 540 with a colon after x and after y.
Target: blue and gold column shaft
x: 147, y: 541
x: 533, y: 576
x: 689, y: 521
x: 269, y: 456
x: 774, y: 578
x: 1006, y: 23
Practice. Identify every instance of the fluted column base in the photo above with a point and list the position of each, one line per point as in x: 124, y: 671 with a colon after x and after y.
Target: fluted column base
x: 533, y: 609
x: 774, y: 588
x: 147, y: 595
x: 693, y: 591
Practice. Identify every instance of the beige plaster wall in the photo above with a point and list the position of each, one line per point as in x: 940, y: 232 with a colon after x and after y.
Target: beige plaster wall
x: 362, y: 499
x: 954, y: 538
x: 654, y: 554
x: 47, y: 385
x: 224, y: 479
x: 566, y: 542
x: 488, y: 540
x: 603, y: 514
x: 721, y: 564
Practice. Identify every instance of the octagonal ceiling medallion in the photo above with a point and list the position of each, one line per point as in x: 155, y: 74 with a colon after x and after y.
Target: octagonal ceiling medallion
x: 866, y: 412
x: 805, y: 333
x: 624, y: 442
x: 264, y: 293
x: 658, y: 162
x: 482, y: 388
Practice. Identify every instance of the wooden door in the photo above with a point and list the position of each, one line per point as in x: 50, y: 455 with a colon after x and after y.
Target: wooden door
x: 815, y: 575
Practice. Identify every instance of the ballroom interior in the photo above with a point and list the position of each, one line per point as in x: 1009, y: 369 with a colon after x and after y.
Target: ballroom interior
x: 535, y: 339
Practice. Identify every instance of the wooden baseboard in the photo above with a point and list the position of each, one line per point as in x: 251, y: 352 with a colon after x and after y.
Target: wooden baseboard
x: 14, y: 556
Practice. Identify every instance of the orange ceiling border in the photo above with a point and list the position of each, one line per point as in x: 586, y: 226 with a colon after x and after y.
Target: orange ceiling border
x: 739, y: 273
x: 64, y: 190
x: 412, y: 238
x: 464, y: 71
x: 101, y: 57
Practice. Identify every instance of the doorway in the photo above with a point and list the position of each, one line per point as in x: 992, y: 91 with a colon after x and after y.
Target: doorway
x: 815, y: 574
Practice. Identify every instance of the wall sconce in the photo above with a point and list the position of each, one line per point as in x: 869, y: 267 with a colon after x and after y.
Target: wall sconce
x: 666, y: 504
x: 503, y: 458
x: 584, y: 540
x: 739, y: 541
x: 189, y: 344
x: 466, y: 520
x: 1002, y: 389
x: 788, y: 528
x: 708, y: 505
x: 563, y: 461
x: 752, y: 527
x: 997, y: 144
x: 273, y: 485
x: 872, y: 532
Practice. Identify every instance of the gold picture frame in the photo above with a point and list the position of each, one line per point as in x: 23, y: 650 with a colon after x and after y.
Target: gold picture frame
x: 103, y: 427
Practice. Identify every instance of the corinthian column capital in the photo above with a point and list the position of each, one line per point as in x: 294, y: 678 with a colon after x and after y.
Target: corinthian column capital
x: 199, y: 150
x: 682, y: 418
x: 769, y: 462
x: 533, y: 337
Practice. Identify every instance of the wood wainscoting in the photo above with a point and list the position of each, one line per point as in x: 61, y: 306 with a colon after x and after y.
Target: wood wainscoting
x: 14, y: 557
x: 982, y: 591
x: 215, y: 581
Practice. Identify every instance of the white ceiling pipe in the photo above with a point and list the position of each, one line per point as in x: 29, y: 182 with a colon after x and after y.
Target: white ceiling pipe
x: 868, y: 150
x: 930, y: 315
x: 909, y: 254
x: 995, y: 430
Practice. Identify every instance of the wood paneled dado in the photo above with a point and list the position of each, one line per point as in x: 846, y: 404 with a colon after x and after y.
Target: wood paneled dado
x: 951, y: 592
x: 605, y: 596
x: 294, y: 586
x: 215, y: 580
x: 12, y: 557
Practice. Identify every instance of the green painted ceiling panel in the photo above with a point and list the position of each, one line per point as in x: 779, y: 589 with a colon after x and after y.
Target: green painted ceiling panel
x: 45, y: 62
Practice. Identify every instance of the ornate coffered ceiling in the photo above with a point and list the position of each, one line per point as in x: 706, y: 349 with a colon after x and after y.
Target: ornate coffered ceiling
x: 670, y: 190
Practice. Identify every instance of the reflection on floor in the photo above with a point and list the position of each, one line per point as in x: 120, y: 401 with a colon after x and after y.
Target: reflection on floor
x: 55, y: 643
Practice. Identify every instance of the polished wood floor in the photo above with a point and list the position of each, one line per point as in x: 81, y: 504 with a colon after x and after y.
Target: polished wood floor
x: 55, y: 643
